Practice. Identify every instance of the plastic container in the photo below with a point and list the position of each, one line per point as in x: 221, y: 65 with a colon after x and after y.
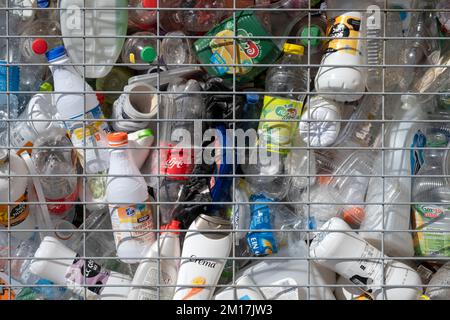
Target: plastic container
x: 64, y: 267
x: 101, y: 49
x: 140, y: 50
x: 126, y: 193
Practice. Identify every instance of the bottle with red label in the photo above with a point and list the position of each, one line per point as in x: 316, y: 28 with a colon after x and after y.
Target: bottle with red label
x: 52, y: 161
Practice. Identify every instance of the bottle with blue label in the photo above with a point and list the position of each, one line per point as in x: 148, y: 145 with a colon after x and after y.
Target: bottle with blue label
x: 80, y: 110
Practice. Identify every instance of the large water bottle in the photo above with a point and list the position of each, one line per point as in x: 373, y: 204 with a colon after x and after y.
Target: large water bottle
x: 275, y: 137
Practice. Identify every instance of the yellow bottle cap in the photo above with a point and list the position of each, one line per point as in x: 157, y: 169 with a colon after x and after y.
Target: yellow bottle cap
x: 424, y: 297
x: 293, y: 48
x: 132, y: 58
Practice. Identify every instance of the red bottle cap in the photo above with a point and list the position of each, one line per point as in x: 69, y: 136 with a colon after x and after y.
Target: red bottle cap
x: 150, y: 4
x: 39, y: 46
x: 172, y: 225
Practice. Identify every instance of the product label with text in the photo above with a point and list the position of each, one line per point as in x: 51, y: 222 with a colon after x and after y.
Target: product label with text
x: 18, y: 213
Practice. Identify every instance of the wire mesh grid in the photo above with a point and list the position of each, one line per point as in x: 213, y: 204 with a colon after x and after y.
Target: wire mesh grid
x: 309, y: 283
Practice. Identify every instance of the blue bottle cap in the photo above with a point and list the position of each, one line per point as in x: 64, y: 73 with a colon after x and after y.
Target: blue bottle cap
x: 55, y: 53
x: 252, y: 98
x: 43, y: 3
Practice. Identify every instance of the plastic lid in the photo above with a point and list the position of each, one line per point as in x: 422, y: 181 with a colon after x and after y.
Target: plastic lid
x: 145, y: 133
x: 56, y: 53
x: 149, y: 3
x: 39, y: 46
x: 148, y: 54
x: 43, y: 3
x: 354, y: 215
x: 117, y: 139
x: 252, y: 98
x: 46, y: 86
x: 313, y: 31
x: 293, y: 48
x: 173, y: 225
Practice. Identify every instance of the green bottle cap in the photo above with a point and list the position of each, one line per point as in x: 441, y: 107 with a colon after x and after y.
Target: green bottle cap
x: 46, y: 86
x: 145, y: 133
x: 148, y: 54
x: 313, y: 31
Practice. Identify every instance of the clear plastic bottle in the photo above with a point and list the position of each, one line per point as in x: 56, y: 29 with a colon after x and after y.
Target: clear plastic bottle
x: 142, y: 18
x: 177, y: 50
x: 126, y: 193
x: 140, y: 52
x: 50, y: 11
x: 51, y: 163
x: 275, y: 137
x: 19, y: 18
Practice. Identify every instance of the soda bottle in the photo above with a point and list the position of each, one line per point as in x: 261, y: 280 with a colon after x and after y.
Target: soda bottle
x: 349, y: 77
x: 142, y: 18
x: 128, y: 200
x: 191, y: 21
x: 83, y: 119
x: 275, y: 137
x: 140, y: 52
x: 52, y: 164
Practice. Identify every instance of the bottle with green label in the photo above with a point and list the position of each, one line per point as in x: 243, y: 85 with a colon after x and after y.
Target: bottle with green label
x: 286, y: 84
x: 236, y: 48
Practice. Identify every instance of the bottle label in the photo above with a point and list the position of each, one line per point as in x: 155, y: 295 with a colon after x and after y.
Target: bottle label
x: 6, y: 293
x: 277, y: 134
x: 151, y: 281
x: 261, y: 243
x: 431, y: 218
x: 179, y: 161
x: 18, y: 213
x: 14, y: 77
x: 417, y: 157
x: 247, y: 49
x: 86, y: 273
x: 62, y: 207
x: 93, y: 132
x: 134, y: 217
x: 341, y: 28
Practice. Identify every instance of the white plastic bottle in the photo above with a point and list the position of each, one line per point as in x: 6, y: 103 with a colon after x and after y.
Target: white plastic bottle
x: 147, y: 272
x: 142, y: 141
x: 259, y: 281
x: 337, y: 241
x: 67, y: 268
x: 128, y: 198
x: 104, y: 32
x: 207, y: 252
x: 345, y: 53
x: 89, y: 134
x: 17, y: 188
x: 397, y: 162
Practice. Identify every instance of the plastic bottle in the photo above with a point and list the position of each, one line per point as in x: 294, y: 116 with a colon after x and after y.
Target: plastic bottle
x: 438, y: 287
x: 141, y: 17
x: 285, y: 280
x: 50, y: 11
x: 176, y: 49
x: 366, y: 273
x: 252, y: 51
x: 50, y: 162
x: 78, y: 274
x: 348, y: 77
x: 396, y: 189
x: 115, y: 80
x: 79, y: 106
x: 140, y: 50
x: 194, y: 21
x: 19, y: 18
x: 147, y: 272
x: 104, y: 24
x: 135, y: 108
x: 15, y: 189
x: 325, y: 126
x: 126, y: 195
x: 275, y: 138
x: 207, y: 252
x: 142, y: 140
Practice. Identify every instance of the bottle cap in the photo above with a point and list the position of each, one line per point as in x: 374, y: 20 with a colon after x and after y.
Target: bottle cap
x: 313, y: 31
x: 149, y: 3
x: 145, y: 133
x: 252, y: 98
x: 293, y: 48
x: 39, y: 46
x: 173, y: 225
x: 148, y: 54
x: 43, y: 3
x: 46, y: 86
x: 354, y: 215
x: 118, y: 139
x: 56, y: 53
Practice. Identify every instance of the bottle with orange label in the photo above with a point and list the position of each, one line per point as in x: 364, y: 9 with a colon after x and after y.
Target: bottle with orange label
x: 128, y: 198
x: 341, y: 73
x: 14, y: 188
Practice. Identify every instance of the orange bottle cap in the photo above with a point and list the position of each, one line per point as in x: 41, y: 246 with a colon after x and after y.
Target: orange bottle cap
x: 117, y: 139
